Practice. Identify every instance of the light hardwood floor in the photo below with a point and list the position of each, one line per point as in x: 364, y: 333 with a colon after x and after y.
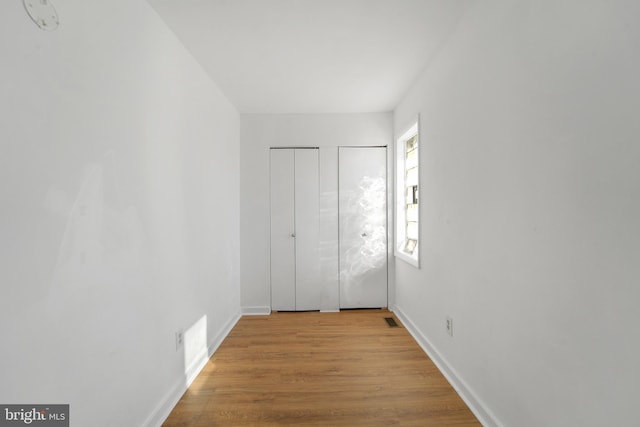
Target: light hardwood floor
x: 329, y: 369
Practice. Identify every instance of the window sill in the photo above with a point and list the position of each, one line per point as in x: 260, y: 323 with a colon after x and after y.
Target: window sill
x: 409, y: 259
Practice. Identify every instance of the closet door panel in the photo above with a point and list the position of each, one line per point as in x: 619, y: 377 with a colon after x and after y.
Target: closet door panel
x: 283, y: 267
x: 363, y: 226
x: 307, y: 205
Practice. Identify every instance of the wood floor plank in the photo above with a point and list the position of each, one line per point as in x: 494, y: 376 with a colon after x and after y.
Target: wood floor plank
x: 320, y: 369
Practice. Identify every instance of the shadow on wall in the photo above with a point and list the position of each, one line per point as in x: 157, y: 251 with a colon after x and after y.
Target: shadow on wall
x: 98, y: 234
x: 99, y: 277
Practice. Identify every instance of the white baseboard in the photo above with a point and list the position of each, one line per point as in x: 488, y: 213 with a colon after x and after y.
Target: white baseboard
x: 256, y: 311
x: 481, y: 412
x: 166, y: 405
x: 164, y: 408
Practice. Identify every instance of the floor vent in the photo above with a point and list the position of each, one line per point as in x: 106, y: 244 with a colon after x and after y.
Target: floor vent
x: 391, y: 322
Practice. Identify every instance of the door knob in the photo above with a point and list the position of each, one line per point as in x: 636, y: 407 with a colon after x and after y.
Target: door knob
x: 293, y: 234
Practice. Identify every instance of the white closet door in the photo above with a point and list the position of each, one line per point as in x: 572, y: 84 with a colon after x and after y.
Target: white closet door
x: 283, y: 267
x: 363, y: 226
x: 307, y: 215
x: 295, y: 229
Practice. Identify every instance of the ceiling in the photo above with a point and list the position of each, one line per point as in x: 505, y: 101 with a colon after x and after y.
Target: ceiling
x: 312, y: 56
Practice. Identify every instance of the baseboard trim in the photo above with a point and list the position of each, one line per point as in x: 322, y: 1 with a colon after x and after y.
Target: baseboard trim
x: 166, y: 405
x: 481, y: 412
x: 256, y: 311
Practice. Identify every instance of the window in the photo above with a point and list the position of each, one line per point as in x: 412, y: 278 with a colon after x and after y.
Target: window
x: 407, y: 196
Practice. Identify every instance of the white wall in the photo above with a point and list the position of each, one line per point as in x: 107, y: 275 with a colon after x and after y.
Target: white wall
x: 329, y: 131
x: 119, y: 168
x: 530, y: 211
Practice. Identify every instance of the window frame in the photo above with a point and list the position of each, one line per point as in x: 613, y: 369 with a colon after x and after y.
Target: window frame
x: 401, y: 206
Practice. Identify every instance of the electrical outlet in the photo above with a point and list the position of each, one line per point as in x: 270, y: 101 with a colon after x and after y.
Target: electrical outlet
x: 179, y: 339
x: 449, y: 326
